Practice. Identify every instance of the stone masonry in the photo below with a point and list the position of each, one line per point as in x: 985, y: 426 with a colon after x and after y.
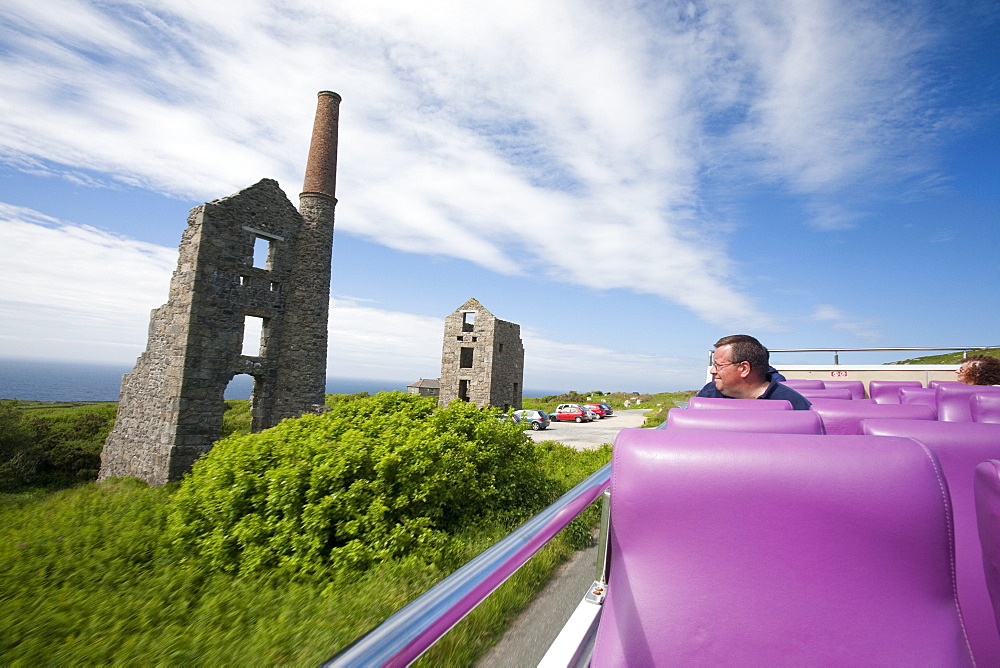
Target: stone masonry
x: 482, y: 360
x: 171, y: 403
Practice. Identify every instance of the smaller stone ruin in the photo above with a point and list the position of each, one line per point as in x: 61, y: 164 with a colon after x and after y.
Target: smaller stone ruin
x: 482, y: 360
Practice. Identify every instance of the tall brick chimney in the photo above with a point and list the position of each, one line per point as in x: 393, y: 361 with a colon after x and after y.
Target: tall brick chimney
x: 306, y: 337
x: 321, y: 166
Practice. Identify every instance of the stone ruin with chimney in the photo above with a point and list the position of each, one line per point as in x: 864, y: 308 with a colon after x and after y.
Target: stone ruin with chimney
x: 171, y: 403
x: 482, y: 359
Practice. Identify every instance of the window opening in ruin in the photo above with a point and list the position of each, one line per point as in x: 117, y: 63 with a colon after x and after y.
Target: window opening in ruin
x: 262, y: 252
x: 244, y: 280
x: 465, y: 358
x: 275, y: 287
x: 500, y: 349
x: 459, y: 338
x: 475, y: 338
x: 468, y: 321
x: 463, y: 390
x: 253, y: 336
x: 517, y: 391
x: 240, y: 387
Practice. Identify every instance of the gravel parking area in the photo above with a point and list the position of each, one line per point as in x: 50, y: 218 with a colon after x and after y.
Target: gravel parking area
x: 590, y: 435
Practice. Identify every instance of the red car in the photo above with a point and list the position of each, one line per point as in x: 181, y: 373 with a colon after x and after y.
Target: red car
x: 567, y: 412
x: 597, y: 408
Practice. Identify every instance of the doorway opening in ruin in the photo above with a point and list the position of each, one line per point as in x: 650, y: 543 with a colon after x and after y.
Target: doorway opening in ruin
x: 241, y: 387
x: 253, y: 335
x: 463, y: 390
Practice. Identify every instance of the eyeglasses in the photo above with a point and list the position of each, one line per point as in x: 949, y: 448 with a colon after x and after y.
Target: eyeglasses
x: 717, y: 366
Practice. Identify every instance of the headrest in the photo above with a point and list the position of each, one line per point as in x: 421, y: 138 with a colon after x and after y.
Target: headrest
x: 768, y: 421
x: 741, y: 404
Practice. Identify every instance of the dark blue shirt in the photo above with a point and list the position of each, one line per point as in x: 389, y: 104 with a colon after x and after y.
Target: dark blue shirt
x: 774, y: 391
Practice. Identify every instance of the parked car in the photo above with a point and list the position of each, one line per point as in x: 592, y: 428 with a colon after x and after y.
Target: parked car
x: 597, y: 408
x: 607, y: 409
x: 513, y: 417
x: 594, y: 415
x: 570, y: 412
x: 538, y: 419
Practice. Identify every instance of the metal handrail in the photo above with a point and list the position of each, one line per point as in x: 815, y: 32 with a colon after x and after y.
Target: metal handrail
x: 836, y: 351
x: 408, y: 633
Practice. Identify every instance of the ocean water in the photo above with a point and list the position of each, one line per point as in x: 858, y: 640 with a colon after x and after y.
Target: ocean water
x: 32, y: 380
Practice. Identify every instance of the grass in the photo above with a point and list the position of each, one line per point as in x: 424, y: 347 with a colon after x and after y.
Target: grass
x: 86, y: 582
x: 949, y: 358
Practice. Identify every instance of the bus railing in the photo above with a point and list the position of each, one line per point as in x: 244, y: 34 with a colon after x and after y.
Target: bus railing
x: 836, y: 351
x: 408, y: 633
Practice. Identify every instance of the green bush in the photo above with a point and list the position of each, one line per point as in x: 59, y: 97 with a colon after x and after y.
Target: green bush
x: 368, y: 481
x: 52, y: 446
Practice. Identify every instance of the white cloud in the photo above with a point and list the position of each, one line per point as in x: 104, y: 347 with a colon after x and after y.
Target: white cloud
x: 564, y: 137
x: 864, y: 328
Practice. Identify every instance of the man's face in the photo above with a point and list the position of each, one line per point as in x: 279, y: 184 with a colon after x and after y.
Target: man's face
x: 724, y: 371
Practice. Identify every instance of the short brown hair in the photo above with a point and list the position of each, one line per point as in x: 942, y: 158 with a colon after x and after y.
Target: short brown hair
x: 982, y: 369
x: 746, y: 348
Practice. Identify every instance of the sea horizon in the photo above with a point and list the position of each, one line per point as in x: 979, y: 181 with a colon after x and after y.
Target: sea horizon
x: 48, y: 380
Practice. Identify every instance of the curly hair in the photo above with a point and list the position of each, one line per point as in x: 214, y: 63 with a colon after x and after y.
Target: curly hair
x: 981, y: 370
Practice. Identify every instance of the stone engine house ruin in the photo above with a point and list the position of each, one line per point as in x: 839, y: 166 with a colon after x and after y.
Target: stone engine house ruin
x: 482, y: 360
x: 171, y: 403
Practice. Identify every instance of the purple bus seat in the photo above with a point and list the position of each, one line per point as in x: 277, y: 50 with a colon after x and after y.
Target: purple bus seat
x: 934, y: 383
x: 954, y: 403
x: 856, y: 387
x: 839, y: 393
x: 804, y: 384
x: 987, y: 489
x: 985, y: 407
x: 778, y: 549
x: 767, y: 421
x: 751, y: 404
x: 918, y: 395
x: 960, y: 447
x: 844, y: 417
x: 886, y: 391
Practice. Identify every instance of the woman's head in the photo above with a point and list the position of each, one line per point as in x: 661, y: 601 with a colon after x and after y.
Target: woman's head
x: 979, y: 370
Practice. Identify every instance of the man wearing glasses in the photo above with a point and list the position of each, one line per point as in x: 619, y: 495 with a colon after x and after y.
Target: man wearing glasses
x: 741, y: 370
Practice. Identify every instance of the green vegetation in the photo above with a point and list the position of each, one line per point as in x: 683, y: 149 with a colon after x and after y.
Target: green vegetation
x: 282, y: 547
x: 948, y: 358
x: 51, y: 445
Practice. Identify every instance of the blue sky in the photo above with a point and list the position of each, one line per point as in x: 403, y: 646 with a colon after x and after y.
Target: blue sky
x: 628, y: 181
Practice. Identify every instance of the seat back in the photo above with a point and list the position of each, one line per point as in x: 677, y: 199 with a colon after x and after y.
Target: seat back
x: 844, y: 417
x: 987, y: 490
x: 934, y: 384
x: 985, y: 407
x: 953, y: 400
x: 856, y: 387
x: 804, y: 384
x: 918, y: 395
x: 766, y: 421
x: 832, y: 393
x: 886, y: 391
x: 778, y: 549
x: 960, y: 447
x: 744, y: 404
